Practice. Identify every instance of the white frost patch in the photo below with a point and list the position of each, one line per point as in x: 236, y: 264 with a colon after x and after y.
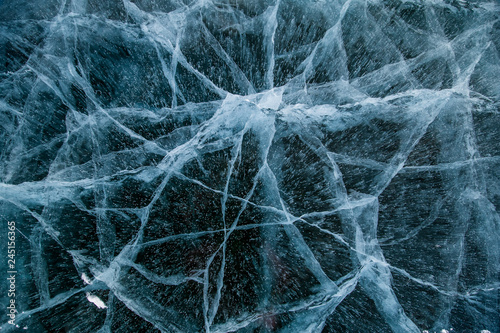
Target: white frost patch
x: 271, y: 99
x: 96, y: 300
x: 485, y: 331
x: 86, y: 279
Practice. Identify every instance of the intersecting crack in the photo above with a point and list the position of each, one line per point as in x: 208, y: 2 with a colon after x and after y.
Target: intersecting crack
x: 252, y: 166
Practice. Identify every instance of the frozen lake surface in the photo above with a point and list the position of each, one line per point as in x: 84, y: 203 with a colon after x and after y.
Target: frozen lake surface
x: 251, y: 166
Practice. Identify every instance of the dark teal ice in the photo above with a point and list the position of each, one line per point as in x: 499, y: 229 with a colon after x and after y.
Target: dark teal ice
x: 251, y: 166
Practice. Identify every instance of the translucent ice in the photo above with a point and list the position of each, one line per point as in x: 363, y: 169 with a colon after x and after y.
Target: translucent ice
x: 251, y: 166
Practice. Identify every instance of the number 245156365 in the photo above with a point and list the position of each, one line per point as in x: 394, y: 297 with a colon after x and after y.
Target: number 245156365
x: 11, y: 245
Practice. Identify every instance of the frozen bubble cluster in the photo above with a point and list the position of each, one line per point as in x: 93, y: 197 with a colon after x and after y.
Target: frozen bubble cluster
x: 251, y: 166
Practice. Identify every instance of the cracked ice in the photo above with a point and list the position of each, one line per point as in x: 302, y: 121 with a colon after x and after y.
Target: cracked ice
x: 252, y: 166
